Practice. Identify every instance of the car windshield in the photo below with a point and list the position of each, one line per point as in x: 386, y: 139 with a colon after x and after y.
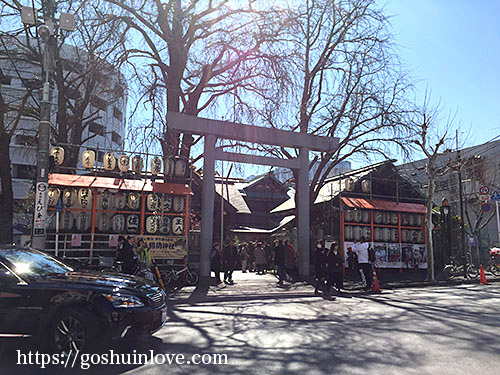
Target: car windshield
x: 33, y: 263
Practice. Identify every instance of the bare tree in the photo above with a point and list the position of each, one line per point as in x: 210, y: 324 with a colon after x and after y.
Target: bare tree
x: 197, y: 54
x: 432, y: 140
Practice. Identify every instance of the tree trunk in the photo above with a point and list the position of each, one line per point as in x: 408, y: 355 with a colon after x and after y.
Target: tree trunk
x: 430, y: 245
x: 7, y: 195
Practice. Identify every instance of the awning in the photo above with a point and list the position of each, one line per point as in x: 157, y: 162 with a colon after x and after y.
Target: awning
x: 71, y: 180
x: 384, y: 205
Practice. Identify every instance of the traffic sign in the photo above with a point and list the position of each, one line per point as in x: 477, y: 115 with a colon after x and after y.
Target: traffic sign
x: 59, y: 205
x: 484, y: 190
x: 495, y: 196
x: 486, y: 207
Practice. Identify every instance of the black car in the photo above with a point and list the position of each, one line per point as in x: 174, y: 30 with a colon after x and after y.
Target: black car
x: 43, y: 297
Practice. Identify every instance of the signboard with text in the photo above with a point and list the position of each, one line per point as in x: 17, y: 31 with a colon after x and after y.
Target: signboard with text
x: 166, y: 247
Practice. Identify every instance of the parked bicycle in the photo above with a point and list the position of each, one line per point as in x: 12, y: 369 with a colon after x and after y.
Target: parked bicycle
x: 457, y: 269
x: 173, y: 275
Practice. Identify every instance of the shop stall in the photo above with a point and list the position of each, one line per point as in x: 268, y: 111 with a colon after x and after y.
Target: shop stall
x: 88, y: 214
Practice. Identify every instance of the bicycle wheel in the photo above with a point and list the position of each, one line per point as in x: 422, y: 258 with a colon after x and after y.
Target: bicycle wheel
x: 495, y: 270
x: 191, y: 278
x: 167, y: 277
x: 472, y: 271
x: 449, y: 272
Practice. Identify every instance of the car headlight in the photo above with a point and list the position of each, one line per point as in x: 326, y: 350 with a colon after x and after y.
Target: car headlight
x: 123, y: 300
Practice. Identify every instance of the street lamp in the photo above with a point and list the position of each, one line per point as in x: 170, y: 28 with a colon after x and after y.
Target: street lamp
x: 47, y: 32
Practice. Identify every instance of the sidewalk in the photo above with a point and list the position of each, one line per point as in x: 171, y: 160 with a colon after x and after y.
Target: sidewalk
x: 250, y: 285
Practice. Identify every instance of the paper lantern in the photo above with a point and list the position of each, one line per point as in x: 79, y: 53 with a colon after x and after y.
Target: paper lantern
x: 348, y: 233
x: 105, y: 200
x: 394, y: 218
x: 103, y: 222
x: 57, y: 153
x: 179, y: 203
x: 88, y: 158
x: 413, y: 236
x: 166, y: 202
x: 132, y: 223
x: 133, y: 200
x: 155, y: 166
x: 137, y: 164
x: 365, y: 216
x: 377, y: 235
x: 420, y: 236
x: 405, y: 235
x: 386, y: 234
x: 69, y: 197
x: 420, y: 221
x: 123, y: 163
x: 165, y: 225
x: 85, y: 197
x: 120, y: 199
x: 411, y: 220
x: 358, y: 216
x: 178, y: 225
x: 349, y: 184
x: 169, y: 167
x: 387, y: 217
x: 152, y: 224
x: 394, y: 235
x: 66, y: 221
x: 83, y: 221
x: 109, y: 161
x: 153, y: 202
x: 118, y: 223
x: 366, y: 233
x: 356, y: 233
x: 53, y: 196
x: 377, y: 217
x: 404, y: 220
x: 349, y: 216
x: 366, y: 186
x: 180, y: 168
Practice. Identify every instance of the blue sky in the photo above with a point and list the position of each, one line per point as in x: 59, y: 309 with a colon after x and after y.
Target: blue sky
x: 453, y: 48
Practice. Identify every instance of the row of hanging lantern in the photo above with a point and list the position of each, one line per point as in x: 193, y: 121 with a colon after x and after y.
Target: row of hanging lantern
x: 357, y: 233
x: 384, y: 218
x: 173, y: 167
x: 120, y: 201
x: 117, y: 223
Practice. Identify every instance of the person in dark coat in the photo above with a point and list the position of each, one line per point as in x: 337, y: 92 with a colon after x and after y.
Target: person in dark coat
x: 216, y: 261
x: 229, y: 255
x: 319, y: 266
x: 126, y: 255
x: 334, y: 267
x: 251, y: 256
x: 279, y: 261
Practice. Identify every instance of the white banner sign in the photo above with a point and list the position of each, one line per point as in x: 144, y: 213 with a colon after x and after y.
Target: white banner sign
x: 40, y: 208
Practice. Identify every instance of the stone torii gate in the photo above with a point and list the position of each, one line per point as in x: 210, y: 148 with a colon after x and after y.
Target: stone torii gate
x: 213, y: 129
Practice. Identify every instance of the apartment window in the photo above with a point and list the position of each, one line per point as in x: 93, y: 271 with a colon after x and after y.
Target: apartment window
x: 26, y: 140
x: 4, y: 80
x: 115, y: 137
x: 99, y: 102
x: 24, y: 171
x: 117, y: 114
x: 94, y: 127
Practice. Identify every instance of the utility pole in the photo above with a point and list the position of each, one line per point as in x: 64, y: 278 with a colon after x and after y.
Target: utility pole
x: 460, y: 197
x: 48, y: 34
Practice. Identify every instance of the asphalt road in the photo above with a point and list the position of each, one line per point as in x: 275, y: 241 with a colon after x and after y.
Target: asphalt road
x: 264, y: 329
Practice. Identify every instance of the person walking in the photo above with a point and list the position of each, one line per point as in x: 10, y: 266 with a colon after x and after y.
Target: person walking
x: 216, y: 261
x: 244, y: 257
x: 279, y: 261
x: 319, y: 266
x: 126, y: 256
x: 260, y: 258
x: 251, y: 256
x: 365, y: 267
x: 229, y: 255
x: 334, y: 267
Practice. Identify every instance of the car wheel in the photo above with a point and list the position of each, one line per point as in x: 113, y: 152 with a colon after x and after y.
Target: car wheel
x: 72, y: 331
